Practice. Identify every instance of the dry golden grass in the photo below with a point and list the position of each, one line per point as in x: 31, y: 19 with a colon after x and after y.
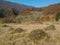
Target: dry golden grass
x: 52, y: 37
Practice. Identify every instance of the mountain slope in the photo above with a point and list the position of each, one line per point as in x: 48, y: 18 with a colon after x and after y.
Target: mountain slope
x: 52, y: 9
x: 47, y: 10
x: 7, y: 4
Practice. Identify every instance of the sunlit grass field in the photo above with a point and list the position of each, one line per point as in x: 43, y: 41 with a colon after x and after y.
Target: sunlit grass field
x: 30, y: 34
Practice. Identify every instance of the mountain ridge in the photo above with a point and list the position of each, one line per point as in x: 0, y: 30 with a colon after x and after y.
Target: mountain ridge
x: 22, y: 7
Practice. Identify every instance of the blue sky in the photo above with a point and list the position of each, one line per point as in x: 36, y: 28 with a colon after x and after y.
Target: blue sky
x: 36, y: 3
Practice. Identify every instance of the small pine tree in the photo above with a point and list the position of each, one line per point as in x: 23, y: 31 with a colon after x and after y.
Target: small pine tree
x: 1, y: 13
x: 15, y: 12
x: 58, y: 16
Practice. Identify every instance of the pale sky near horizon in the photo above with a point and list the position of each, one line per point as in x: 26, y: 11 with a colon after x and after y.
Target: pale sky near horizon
x: 36, y: 3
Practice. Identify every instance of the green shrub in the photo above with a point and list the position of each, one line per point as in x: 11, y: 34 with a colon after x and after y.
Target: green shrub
x: 58, y: 16
x: 9, y: 20
x: 18, y: 30
x: 2, y: 12
x: 37, y: 34
x: 5, y: 25
x: 51, y: 27
x: 10, y: 29
x: 19, y: 19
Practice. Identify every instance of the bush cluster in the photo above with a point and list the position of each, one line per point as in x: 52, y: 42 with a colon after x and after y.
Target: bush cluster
x: 37, y: 34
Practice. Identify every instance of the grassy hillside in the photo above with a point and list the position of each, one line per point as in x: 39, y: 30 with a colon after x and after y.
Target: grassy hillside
x: 29, y: 14
x: 32, y: 34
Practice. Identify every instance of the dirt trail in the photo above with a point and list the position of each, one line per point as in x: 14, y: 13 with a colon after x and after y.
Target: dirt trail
x: 28, y: 26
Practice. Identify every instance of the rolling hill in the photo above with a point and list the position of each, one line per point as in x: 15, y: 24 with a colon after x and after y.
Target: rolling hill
x: 21, y: 7
x: 7, y: 4
x: 52, y: 9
